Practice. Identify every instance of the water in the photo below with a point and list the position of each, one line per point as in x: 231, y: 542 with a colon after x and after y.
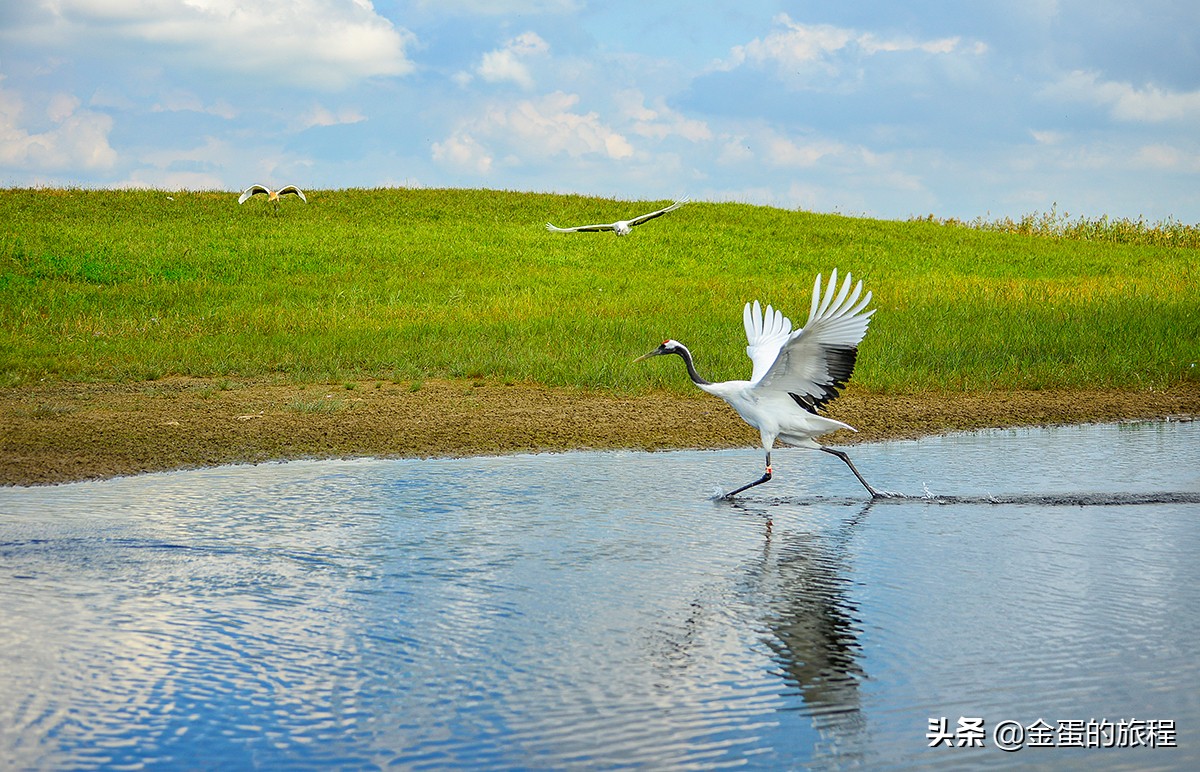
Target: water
x: 598, y: 610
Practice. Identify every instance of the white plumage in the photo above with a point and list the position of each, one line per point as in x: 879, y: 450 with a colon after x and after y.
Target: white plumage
x: 794, y: 373
x: 272, y: 195
x: 621, y: 227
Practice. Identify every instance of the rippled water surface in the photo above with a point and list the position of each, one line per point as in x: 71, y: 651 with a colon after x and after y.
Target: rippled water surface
x: 598, y: 610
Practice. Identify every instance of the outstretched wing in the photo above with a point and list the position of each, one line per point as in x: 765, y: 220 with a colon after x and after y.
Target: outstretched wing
x: 252, y: 191
x: 293, y: 189
x: 643, y: 218
x: 816, y: 361
x: 580, y: 228
x: 765, y: 335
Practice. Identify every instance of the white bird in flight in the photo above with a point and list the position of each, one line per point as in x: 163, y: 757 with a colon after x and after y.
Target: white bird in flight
x: 622, y: 227
x: 794, y: 374
x: 272, y: 195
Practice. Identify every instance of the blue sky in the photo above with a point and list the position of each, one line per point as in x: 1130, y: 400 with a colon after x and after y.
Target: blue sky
x: 877, y: 108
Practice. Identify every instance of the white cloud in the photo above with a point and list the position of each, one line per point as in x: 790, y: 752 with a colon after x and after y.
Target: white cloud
x: 795, y: 48
x: 1047, y: 137
x: 550, y: 125
x: 660, y: 122
x: 1124, y: 102
x: 795, y: 44
x: 779, y: 151
x: 1120, y: 157
x: 61, y: 106
x: 873, y: 44
x: 509, y: 63
x: 500, y: 7
x: 531, y: 131
x: 186, y: 101
x: 462, y: 151
x: 75, y: 139
x: 1167, y: 158
x: 814, y: 172
x: 323, y: 116
x: 324, y: 43
x: 735, y: 151
x: 782, y: 151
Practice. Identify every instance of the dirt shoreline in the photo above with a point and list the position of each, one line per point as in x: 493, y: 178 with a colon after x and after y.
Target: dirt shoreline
x: 64, y: 432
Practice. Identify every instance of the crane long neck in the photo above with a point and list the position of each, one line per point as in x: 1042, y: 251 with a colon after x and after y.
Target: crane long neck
x: 691, y: 366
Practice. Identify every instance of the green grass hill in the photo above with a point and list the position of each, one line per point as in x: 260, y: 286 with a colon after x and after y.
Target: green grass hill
x: 409, y: 284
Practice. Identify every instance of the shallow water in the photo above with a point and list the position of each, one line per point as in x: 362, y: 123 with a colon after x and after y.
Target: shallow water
x: 598, y: 609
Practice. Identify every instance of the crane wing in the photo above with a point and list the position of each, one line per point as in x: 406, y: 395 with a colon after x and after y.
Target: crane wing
x: 816, y: 361
x: 252, y: 190
x: 765, y: 335
x: 293, y: 189
x: 658, y: 213
x: 579, y: 228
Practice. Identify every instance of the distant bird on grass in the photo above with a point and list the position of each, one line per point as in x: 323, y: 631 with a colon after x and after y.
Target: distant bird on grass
x: 621, y: 227
x: 794, y: 374
x: 272, y: 195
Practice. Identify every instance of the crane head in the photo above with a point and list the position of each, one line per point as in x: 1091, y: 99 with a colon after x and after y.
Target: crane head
x: 667, y: 347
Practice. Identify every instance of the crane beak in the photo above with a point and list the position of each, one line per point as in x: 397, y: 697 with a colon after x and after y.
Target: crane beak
x: 656, y: 352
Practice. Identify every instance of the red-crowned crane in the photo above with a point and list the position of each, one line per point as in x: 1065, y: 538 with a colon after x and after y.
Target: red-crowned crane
x: 794, y: 374
x: 620, y: 227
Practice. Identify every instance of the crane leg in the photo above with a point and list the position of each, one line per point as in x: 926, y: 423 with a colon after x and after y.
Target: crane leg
x: 766, y: 476
x: 842, y: 455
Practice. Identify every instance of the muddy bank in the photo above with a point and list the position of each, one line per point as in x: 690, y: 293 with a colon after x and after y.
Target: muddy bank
x: 63, y: 432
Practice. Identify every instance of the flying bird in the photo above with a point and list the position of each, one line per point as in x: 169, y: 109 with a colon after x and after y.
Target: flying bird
x: 794, y: 374
x: 621, y: 227
x: 272, y: 195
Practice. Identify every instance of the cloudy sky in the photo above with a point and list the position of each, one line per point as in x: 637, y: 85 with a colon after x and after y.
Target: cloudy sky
x: 871, y: 107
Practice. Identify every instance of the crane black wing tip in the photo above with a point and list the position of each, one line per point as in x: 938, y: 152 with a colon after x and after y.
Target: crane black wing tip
x: 839, y: 363
x: 250, y: 192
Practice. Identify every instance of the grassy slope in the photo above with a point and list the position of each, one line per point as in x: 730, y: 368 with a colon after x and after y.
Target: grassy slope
x: 409, y: 284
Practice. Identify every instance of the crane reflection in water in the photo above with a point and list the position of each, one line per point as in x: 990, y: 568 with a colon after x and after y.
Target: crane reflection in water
x: 795, y: 591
